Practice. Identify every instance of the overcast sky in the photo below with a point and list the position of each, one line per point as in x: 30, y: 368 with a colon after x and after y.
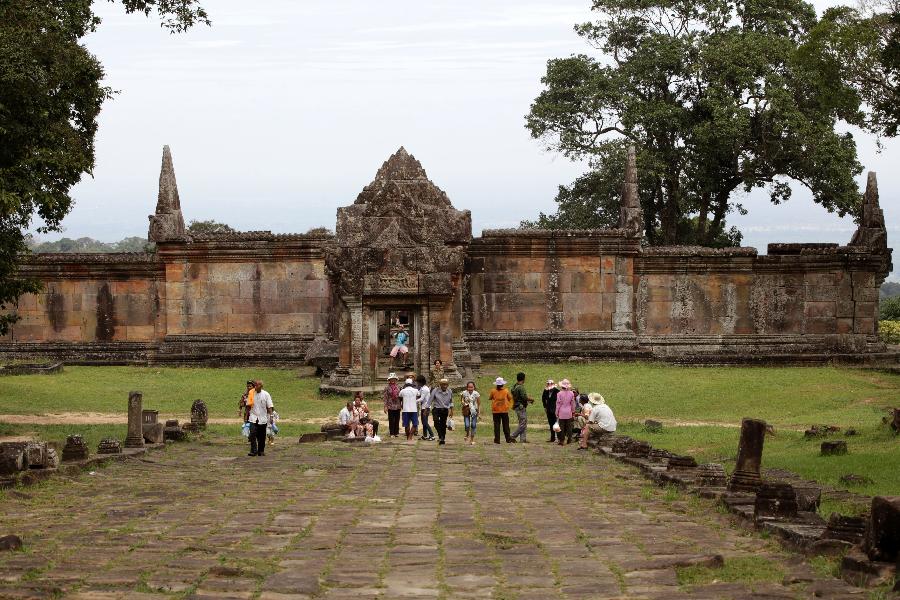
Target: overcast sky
x: 283, y: 110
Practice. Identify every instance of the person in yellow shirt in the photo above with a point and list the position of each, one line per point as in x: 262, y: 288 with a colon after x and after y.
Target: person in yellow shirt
x: 501, y: 401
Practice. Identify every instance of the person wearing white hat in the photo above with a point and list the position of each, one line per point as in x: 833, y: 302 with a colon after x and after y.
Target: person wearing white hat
x: 392, y: 405
x: 601, y: 414
x: 501, y: 401
x: 548, y: 399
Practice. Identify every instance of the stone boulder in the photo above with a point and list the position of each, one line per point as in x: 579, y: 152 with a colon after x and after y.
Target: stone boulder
x: 834, y: 448
x: 882, y: 539
x: 12, y: 458
x: 173, y: 431
x: 109, y: 446
x: 333, y: 431
x: 154, y: 434
x: 10, y: 543
x: 75, y: 449
x: 775, y: 500
x: 323, y: 355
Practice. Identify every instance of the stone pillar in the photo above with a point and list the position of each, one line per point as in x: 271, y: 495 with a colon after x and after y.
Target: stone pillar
x: 135, y: 438
x: 746, y: 477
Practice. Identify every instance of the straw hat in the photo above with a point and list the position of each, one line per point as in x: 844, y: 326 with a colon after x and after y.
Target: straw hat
x: 408, y: 382
x: 595, y: 399
x: 565, y: 384
x: 550, y: 382
x: 392, y: 376
x: 444, y: 380
x: 499, y: 381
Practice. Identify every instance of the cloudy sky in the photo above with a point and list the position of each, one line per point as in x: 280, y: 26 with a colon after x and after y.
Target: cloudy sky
x: 283, y: 110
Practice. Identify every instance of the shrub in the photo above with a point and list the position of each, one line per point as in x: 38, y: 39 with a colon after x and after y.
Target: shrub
x: 889, y: 309
x: 889, y: 331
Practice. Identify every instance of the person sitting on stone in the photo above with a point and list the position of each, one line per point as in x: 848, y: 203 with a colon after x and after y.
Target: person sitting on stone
x: 581, y: 421
x: 345, y: 418
x: 400, y: 348
x: 361, y: 413
x: 601, y: 414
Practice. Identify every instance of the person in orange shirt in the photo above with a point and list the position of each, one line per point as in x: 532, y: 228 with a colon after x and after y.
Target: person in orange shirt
x: 501, y: 401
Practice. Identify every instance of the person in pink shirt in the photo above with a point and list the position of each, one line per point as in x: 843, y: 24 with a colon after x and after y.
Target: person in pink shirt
x: 565, y: 411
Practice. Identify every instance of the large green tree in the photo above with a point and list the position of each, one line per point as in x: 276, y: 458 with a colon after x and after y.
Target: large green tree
x: 51, y: 92
x: 861, y: 45
x: 720, y: 98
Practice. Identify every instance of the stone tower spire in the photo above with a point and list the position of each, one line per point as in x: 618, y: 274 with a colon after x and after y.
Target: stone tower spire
x: 631, y: 216
x: 168, y: 222
x: 872, y: 233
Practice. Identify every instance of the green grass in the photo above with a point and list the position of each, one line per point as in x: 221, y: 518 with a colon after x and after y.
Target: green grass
x: 746, y: 569
x: 169, y: 390
x: 875, y: 453
x: 785, y: 396
x: 789, y: 398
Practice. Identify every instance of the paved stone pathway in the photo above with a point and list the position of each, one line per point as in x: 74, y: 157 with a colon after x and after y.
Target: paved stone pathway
x: 507, y: 522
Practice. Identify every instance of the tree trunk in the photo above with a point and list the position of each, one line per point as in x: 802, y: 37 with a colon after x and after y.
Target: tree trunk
x: 701, y: 219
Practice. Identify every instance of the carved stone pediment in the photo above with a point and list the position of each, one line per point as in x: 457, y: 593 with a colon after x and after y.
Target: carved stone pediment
x: 401, y: 236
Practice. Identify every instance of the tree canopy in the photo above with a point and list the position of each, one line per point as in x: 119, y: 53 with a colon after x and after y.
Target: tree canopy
x: 720, y: 97
x: 51, y: 92
x: 209, y: 226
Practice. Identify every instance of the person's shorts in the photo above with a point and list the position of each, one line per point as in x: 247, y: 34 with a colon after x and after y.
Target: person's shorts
x: 401, y: 349
x: 411, y: 417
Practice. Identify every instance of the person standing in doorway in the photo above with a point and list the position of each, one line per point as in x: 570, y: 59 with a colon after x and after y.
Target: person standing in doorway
x: 520, y: 405
x: 260, y: 417
x: 442, y: 408
x: 400, y: 348
x: 409, y: 397
x: 501, y: 401
x: 425, y: 400
x: 392, y: 405
x: 548, y: 399
x: 565, y: 412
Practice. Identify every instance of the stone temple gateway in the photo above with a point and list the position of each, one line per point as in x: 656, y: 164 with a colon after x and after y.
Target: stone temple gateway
x: 402, y: 254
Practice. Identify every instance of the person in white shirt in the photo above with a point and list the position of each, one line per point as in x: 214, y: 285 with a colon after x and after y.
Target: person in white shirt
x: 601, y: 414
x: 425, y: 407
x: 260, y: 415
x: 409, y: 397
x: 345, y: 418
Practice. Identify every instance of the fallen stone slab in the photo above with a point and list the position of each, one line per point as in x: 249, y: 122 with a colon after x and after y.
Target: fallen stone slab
x: 834, y: 448
x: 882, y: 539
x: 311, y: 438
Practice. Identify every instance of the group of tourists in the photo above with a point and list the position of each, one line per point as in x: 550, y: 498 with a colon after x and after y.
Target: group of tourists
x: 413, y: 402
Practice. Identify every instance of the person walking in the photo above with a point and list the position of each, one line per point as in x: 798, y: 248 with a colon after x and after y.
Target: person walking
x: 471, y: 407
x: 409, y: 397
x: 442, y: 408
x: 425, y: 400
x: 244, y: 405
x: 260, y: 417
x: 548, y: 399
x: 520, y: 405
x: 501, y: 401
x: 565, y: 412
x: 392, y: 405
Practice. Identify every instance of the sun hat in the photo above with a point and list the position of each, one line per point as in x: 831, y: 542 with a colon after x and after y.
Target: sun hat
x: 595, y: 399
x: 408, y: 382
x: 499, y: 381
x: 444, y: 380
x: 550, y: 382
x: 392, y: 376
x: 565, y: 384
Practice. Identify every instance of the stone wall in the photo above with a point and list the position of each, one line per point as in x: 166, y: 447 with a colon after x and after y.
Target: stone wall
x: 256, y: 297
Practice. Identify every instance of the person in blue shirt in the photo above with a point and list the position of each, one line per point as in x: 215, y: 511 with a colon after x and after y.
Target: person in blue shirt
x: 400, y: 347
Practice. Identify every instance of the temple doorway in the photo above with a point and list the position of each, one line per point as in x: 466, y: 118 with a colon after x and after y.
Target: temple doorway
x: 393, y: 324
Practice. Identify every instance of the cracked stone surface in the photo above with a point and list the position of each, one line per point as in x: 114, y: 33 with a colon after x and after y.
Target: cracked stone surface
x: 534, y: 521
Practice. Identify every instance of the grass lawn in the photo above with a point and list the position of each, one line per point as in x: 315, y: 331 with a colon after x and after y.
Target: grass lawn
x: 712, y: 400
